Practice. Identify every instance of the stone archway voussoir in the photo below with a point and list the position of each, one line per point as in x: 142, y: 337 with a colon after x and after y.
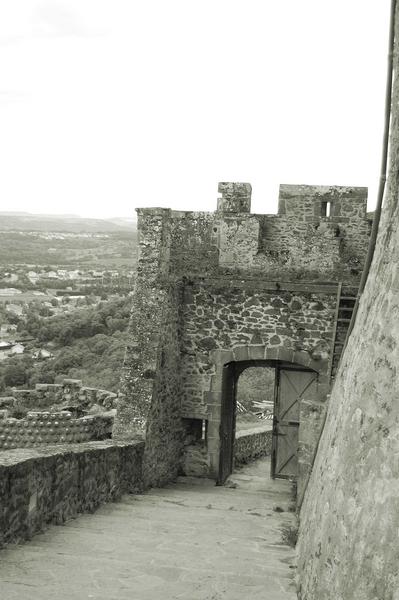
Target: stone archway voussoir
x: 257, y: 352
x: 241, y: 353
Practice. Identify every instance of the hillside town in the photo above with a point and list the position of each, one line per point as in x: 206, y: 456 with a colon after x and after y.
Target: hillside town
x: 55, y: 287
x: 47, y: 277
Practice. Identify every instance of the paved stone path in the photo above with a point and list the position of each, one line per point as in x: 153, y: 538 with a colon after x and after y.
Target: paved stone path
x: 189, y: 541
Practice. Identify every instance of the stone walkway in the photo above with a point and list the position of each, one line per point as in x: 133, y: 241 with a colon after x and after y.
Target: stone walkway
x: 189, y: 541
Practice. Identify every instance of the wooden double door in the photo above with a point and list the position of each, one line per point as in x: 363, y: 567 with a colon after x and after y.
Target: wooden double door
x: 291, y: 384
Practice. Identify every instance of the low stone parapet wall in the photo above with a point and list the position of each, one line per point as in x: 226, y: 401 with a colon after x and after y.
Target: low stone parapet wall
x: 54, y: 484
x: 252, y: 443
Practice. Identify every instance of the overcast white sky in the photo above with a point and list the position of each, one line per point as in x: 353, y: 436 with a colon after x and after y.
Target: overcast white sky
x: 106, y: 105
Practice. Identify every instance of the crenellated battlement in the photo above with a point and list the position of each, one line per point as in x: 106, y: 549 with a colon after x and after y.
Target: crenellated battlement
x: 312, y: 202
x: 318, y: 232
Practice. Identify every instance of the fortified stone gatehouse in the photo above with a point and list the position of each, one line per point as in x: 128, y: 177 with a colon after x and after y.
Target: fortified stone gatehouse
x: 219, y: 292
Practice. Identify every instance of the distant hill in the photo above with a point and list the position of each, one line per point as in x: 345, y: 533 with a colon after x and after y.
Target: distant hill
x: 67, y: 223
x: 124, y: 221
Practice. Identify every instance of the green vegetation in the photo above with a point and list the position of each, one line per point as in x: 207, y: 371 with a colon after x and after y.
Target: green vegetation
x: 87, y: 344
x: 67, y: 272
x: 105, y: 318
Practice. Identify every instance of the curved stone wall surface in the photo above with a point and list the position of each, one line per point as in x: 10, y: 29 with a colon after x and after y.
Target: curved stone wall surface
x: 52, y: 428
x: 348, y: 539
x: 48, y: 425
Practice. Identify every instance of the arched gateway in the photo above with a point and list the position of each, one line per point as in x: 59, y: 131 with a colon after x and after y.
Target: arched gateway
x: 298, y: 380
x: 216, y: 292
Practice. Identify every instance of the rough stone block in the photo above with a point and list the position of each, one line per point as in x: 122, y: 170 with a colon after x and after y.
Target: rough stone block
x: 257, y: 352
x: 45, y: 486
x: 236, y: 197
x: 241, y: 353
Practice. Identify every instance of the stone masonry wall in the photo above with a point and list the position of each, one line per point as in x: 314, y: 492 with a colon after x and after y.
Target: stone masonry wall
x: 164, y: 435
x: 143, y: 352
x: 249, y: 445
x: 222, y: 316
x: 299, y: 242
x: 149, y: 400
x: 252, y: 444
x: 212, y: 282
x: 299, y: 238
x: 349, y: 522
x: 238, y: 241
x: 193, y: 243
x: 347, y: 221
x: 52, y: 485
x: 314, y: 247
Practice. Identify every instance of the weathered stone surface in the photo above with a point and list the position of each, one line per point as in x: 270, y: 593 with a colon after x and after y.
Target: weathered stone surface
x: 195, y: 461
x: 311, y: 420
x: 252, y: 444
x: 236, y: 197
x: 210, y: 283
x: 296, y: 330
x: 55, y: 484
x: 239, y: 242
x: 164, y: 434
x: 192, y: 540
x: 348, y: 542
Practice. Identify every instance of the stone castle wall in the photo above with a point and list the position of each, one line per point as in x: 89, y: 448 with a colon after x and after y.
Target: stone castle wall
x: 299, y: 238
x: 57, y: 483
x: 252, y: 444
x: 149, y: 399
x: 164, y: 433
x: 348, y: 538
x: 208, y: 283
x: 222, y: 315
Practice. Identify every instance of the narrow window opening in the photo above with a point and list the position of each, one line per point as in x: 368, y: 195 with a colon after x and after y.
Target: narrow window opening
x: 325, y: 209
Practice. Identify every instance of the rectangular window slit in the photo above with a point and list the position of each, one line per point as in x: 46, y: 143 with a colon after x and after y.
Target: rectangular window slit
x: 325, y: 209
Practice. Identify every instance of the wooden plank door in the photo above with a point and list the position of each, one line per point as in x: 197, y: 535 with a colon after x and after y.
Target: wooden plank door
x: 227, y: 422
x: 291, y: 386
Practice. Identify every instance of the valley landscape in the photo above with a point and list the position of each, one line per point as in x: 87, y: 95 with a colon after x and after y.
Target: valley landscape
x: 64, y: 298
